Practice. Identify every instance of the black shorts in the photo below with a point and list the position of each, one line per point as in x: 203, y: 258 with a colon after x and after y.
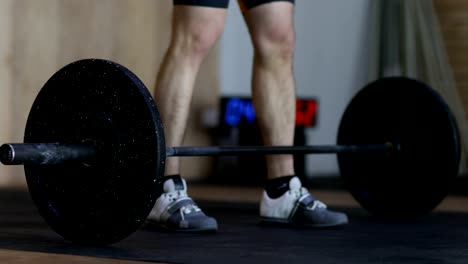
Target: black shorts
x: 244, y: 4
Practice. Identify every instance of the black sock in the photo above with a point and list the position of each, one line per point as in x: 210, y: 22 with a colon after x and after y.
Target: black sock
x: 278, y: 186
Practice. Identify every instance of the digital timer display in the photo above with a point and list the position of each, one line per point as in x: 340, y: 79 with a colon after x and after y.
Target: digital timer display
x: 240, y: 110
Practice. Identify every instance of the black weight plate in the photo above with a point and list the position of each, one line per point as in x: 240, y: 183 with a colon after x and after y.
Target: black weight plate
x: 413, y: 181
x: 99, y: 102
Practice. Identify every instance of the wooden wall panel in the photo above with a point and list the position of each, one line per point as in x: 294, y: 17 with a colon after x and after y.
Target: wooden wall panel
x: 453, y: 17
x: 6, y: 81
x: 40, y: 36
x: 35, y: 28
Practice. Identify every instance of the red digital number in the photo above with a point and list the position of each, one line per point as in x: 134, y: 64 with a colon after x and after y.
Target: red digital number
x: 306, y: 113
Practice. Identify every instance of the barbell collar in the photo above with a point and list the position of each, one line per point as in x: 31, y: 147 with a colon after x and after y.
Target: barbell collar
x: 46, y: 153
x: 275, y: 150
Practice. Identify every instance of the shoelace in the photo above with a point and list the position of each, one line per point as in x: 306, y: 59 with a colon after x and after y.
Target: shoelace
x: 299, y: 192
x: 188, y: 209
x: 303, y: 191
x: 317, y: 204
x: 175, y: 195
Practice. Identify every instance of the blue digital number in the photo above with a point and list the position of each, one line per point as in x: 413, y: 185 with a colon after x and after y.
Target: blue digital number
x: 236, y: 109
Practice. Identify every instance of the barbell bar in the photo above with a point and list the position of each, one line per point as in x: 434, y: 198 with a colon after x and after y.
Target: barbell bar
x: 94, y: 150
x: 273, y: 150
x: 57, y: 153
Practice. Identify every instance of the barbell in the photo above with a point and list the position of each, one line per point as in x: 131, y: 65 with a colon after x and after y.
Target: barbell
x: 94, y: 150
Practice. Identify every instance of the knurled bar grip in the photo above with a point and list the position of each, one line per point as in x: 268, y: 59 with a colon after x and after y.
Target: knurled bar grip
x: 46, y: 153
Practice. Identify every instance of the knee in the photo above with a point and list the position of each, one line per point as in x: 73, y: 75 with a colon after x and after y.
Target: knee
x: 275, y: 44
x: 195, y: 40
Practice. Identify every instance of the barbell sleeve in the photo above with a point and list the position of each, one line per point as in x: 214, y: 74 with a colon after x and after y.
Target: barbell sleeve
x: 46, y: 153
x: 274, y: 150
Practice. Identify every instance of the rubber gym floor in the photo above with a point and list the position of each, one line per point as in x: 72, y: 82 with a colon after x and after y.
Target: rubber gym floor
x: 441, y: 237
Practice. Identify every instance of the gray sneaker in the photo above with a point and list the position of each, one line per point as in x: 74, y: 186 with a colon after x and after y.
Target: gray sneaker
x: 298, y: 208
x: 175, y: 211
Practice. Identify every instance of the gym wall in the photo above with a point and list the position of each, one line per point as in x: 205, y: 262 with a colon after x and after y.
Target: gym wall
x: 41, y: 36
x: 453, y: 18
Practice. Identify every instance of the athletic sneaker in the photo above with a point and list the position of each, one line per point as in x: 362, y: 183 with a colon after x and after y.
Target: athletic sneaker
x: 176, y: 211
x: 297, y: 207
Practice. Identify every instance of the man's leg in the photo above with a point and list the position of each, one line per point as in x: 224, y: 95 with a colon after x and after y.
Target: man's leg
x: 195, y: 30
x: 285, y: 201
x: 272, y: 31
